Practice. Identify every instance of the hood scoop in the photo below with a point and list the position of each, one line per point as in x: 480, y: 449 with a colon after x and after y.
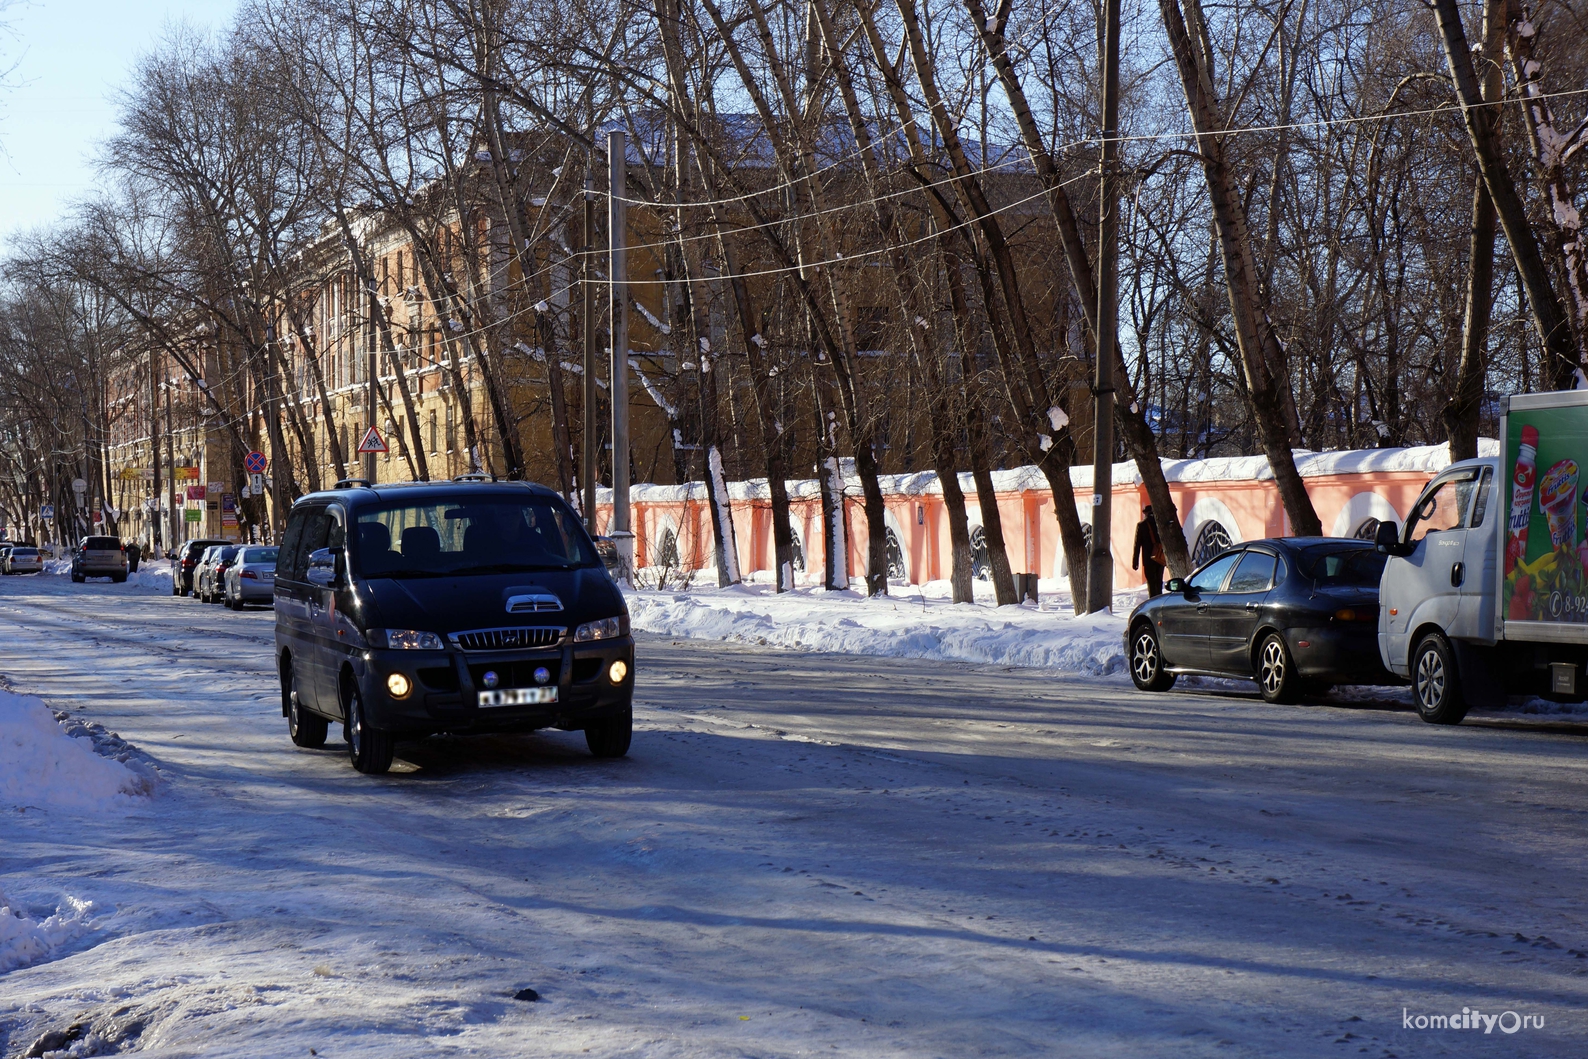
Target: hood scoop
x: 533, y: 603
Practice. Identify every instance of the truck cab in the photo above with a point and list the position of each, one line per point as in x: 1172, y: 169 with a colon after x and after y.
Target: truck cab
x: 1485, y: 592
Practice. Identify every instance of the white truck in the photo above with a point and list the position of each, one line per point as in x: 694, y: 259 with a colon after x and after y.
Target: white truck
x: 1485, y: 592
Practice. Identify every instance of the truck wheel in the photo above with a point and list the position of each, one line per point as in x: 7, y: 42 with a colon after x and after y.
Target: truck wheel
x: 1146, y: 661
x: 1276, y: 671
x: 1435, y: 682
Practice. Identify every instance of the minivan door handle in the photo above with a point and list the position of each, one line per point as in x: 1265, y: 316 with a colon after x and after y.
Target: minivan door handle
x: 1458, y: 574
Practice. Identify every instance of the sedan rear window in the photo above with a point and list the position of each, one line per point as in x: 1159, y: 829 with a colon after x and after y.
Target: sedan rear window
x: 1330, y: 565
x: 102, y: 544
x: 24, y: 553
x: 260, y: 555
x: 469, y: 535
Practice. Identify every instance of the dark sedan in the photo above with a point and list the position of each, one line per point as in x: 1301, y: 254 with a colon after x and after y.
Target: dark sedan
x: 1296, y: 614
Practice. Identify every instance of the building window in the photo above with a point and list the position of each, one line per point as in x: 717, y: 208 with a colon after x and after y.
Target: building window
x: 433, y: 447
x: 1212, y: 539
x: 452, y: 430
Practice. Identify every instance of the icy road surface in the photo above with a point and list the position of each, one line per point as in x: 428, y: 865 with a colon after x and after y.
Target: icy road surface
x: 804, y: 855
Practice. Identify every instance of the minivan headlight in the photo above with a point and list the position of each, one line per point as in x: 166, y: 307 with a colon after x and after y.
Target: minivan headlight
x: 605, y: 629
x: 404, y: 640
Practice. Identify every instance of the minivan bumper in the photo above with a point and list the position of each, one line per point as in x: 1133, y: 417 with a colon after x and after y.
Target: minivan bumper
x: 444, y: 695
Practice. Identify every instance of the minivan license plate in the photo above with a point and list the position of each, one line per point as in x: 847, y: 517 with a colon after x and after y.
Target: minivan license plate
x: 518, y: 697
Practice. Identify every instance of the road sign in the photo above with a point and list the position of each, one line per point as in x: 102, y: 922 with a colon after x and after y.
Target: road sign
x: 372, y: 442
x: 256, y: 484
x: 255, y: 463
x: 79, y: 486
x: 47, y: 512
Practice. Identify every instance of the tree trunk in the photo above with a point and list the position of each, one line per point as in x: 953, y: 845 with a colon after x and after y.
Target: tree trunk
x: 1549, y: 318
x: 1262, y: 358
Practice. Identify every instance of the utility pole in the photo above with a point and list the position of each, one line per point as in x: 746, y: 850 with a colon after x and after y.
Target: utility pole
x: 1100, y: 569
x: 156, y: 531
x: 618, y: 380
x: 592, y: 451
x: 374, y: 372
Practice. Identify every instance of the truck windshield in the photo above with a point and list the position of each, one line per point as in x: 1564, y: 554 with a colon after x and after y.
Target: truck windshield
x: 1332, y: 565
x: 469, y: 535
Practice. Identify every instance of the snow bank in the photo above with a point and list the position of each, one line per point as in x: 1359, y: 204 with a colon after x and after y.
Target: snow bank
x: 24, y: 941
x: 153, y: 575
x: 42, y: 767
x: 914, y: 624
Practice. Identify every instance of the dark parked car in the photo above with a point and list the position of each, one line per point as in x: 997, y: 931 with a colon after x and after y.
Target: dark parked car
x: 1296, y: 614
x: 209, y: 576
x: 186, y: 561
x: 403, y: 610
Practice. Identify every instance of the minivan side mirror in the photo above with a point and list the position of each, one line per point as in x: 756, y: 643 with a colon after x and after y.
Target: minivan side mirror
x: 1175, y: 585
x: 326, y: 567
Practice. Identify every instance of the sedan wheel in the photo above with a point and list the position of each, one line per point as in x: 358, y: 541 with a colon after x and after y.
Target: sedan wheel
x: 1276, y: 673
x: 1146, y: 661
x: 1435, y: 682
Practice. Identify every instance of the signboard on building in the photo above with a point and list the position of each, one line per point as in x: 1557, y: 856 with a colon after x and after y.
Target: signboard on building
x: 184, y: 474
x: 217, y: 487
x: 192, y: 514
x: 135, y: 474
x: 228, y: 511
x: 195, y: 492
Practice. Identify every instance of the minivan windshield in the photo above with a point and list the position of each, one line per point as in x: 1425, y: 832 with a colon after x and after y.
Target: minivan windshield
x: 488, y: 534
x: 1333, y: 565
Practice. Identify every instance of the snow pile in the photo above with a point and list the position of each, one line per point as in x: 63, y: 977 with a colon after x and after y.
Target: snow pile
x: 154, y: 575
x: 24, y: 941
x: 914, y: 624
x: 42, y: 767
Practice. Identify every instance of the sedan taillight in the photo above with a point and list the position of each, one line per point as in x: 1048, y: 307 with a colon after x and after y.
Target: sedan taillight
x: 250, y: 575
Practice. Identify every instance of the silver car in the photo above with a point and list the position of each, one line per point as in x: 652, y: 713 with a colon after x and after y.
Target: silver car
x: 22, y: 559
x: 99, y: 557
x: 252, y: 577
x: 211, y: 568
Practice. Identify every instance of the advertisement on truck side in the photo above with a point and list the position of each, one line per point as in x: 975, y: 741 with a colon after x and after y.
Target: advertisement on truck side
x: 1545, y: 571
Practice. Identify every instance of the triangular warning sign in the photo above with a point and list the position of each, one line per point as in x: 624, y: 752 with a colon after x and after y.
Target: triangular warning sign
x: 372, y: 442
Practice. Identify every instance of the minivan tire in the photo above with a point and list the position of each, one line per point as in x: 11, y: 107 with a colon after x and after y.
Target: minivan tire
x: 306, y: 729
x: 1435, y: 682
x: 369, y: 748
x: 611, y: 738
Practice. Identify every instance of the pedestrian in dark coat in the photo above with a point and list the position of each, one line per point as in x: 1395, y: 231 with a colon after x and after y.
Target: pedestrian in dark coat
x: 1148, y: 553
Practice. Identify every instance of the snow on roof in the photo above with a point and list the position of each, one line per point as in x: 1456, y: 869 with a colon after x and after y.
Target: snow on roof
x: 1421, y: 459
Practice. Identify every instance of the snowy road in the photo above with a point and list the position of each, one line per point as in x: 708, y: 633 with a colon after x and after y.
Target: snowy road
x: 803, y: 855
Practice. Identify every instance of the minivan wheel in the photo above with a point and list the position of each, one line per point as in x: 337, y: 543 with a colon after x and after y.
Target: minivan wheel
x: 306, y: 729
x: 1435, y: 683
x: 611, y: 738
x: 1146, y: 661
x: 1276, y: 672
x: 369, y: 748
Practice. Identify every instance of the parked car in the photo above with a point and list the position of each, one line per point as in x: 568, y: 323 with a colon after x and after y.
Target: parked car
x: 23, y: 559
x: 252, y: 578
x: 1296, y: 614
x: 99, y: 557
x: 208, y: 576
x: 403, y: 610
x: 185, y: 561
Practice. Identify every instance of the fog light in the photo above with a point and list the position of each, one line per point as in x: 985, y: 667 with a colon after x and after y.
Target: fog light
x: 619, y: 670
x: 398, y: 685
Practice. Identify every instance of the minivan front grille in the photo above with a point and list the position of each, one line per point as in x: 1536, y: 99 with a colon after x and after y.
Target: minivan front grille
x: 508, y: 639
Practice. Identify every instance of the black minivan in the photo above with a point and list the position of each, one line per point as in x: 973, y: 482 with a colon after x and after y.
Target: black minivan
x: 413, y: 608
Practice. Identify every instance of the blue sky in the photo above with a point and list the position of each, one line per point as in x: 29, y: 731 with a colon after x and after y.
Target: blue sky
x: 71, y: 56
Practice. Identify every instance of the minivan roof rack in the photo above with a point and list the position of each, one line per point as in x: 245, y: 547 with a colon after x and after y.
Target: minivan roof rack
x: 351, y: 483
